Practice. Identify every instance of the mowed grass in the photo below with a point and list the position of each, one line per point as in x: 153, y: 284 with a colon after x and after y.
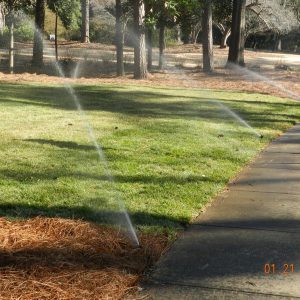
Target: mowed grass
x: 170, y: 150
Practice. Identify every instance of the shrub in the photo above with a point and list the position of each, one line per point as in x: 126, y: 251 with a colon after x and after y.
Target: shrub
x: 101, y: 32
x: 24, y: 32
x: 170, y: 37
x: 4, y: 38
x: 73, y: 35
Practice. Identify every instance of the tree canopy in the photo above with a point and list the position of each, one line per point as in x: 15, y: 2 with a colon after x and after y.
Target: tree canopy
x: 69, y: 11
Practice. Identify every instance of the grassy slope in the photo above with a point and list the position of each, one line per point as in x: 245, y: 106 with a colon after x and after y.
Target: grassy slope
x: 170, y: 150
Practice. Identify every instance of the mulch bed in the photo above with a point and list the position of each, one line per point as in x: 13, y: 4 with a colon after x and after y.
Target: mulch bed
x: 52, y: 258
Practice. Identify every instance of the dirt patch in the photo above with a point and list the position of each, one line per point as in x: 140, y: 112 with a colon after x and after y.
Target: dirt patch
x: 44, y: 258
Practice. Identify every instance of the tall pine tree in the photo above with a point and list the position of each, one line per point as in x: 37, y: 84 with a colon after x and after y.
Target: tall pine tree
x: 237, y: 44
x: 38, y: 48
x: 140, y: 61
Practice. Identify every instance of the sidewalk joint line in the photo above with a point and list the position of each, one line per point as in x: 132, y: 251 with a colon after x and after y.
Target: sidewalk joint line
x: 156, y: 282
x: 266, y: 192
x: 245, y: 228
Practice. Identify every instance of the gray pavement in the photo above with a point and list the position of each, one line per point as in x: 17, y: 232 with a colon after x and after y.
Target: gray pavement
x: 255, y: 223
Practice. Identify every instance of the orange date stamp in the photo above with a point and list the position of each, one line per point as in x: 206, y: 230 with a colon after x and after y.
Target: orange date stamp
x: 284, y: 269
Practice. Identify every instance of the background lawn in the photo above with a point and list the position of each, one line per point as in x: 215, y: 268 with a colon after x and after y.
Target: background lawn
x: 170, y: 150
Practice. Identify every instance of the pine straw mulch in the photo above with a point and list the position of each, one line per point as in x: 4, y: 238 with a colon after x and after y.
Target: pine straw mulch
x: 221, y: 79
x: 51, y: 258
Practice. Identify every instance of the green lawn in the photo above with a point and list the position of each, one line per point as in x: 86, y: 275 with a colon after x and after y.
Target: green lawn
x: 170, y: 150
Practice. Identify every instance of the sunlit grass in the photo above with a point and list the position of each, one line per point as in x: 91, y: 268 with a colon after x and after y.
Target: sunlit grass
x: 170, y: 150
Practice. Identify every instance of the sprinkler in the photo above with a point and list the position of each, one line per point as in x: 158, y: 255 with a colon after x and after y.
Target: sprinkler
x: 136, y: 248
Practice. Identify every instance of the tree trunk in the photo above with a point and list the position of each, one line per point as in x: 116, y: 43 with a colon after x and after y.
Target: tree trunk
x: 162, y: 33
x: 38, y: 47
x: 197, y: 36
x: 178, y: 33
x: 56, y: 38
x: 196, y: 29
x: 119, y: 39
x: 149, y: 38
x: 186, y: 29
x: 237, y: 45
x: 278, y: 43
x: 162, y: 44
x: 85, y: 26
x: 225, y: 37
x: 208, y: 63
x: 12, y: 46
x: 150, y: 48
x: 140, y: 62
x: 2, y: 19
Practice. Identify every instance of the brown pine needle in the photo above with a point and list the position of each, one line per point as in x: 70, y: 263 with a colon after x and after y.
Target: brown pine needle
x: 52, y: 258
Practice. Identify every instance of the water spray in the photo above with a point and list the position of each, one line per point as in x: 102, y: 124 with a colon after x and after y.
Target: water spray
x: 265, y: 79
x: 237, y: 117
x: 69, y: 88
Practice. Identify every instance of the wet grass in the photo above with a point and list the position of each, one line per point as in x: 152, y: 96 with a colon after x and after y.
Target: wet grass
x: 170, y: 150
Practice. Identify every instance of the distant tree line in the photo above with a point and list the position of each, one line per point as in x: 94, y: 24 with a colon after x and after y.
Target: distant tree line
x: 235, y: 20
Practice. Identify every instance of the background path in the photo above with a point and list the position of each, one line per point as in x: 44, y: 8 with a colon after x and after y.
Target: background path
x: 227, y: 251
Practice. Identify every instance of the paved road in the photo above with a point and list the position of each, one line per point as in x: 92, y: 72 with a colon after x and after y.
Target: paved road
x: 247, y: 244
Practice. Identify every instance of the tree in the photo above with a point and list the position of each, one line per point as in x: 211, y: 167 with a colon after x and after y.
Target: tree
x: 222, y: 11
x: 140, y: 62
x: 150, y: 27
x: 162, y: 32
x: 159, y: 14
x: 85, y: 26
x: 295, y: 5
x: 185, y: 23
x: 10, y: 7
x: 277, y: 16
x: 69, y: 12
x: 207, y: 37
x: 237, y: 45
x: 190, y: 19
x: 38, y: 47
x: 122, y: 11
x: 2, y: 18
x: 119, y: 39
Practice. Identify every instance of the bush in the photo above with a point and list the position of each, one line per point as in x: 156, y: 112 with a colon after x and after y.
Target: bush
x: 4, y: 38
x: 170, y: 37
x: 24, y: 32
x: 73, y: 35
x: 101, y: 32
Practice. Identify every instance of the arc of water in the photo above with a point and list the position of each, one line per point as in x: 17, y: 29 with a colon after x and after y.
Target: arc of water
x: 69, y: 88
x: 221, y: 105
x: 236, y: 116
x: 265, y: 79
x: 76, y: 71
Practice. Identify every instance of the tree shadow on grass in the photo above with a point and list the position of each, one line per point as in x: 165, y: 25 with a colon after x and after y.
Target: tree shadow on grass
x: 104, y: 217
x: 133, y: 102
x: 52, y: 174
x: 61, y: 144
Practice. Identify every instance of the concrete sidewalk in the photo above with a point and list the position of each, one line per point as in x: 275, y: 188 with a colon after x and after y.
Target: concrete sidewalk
x: 254, y: 225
